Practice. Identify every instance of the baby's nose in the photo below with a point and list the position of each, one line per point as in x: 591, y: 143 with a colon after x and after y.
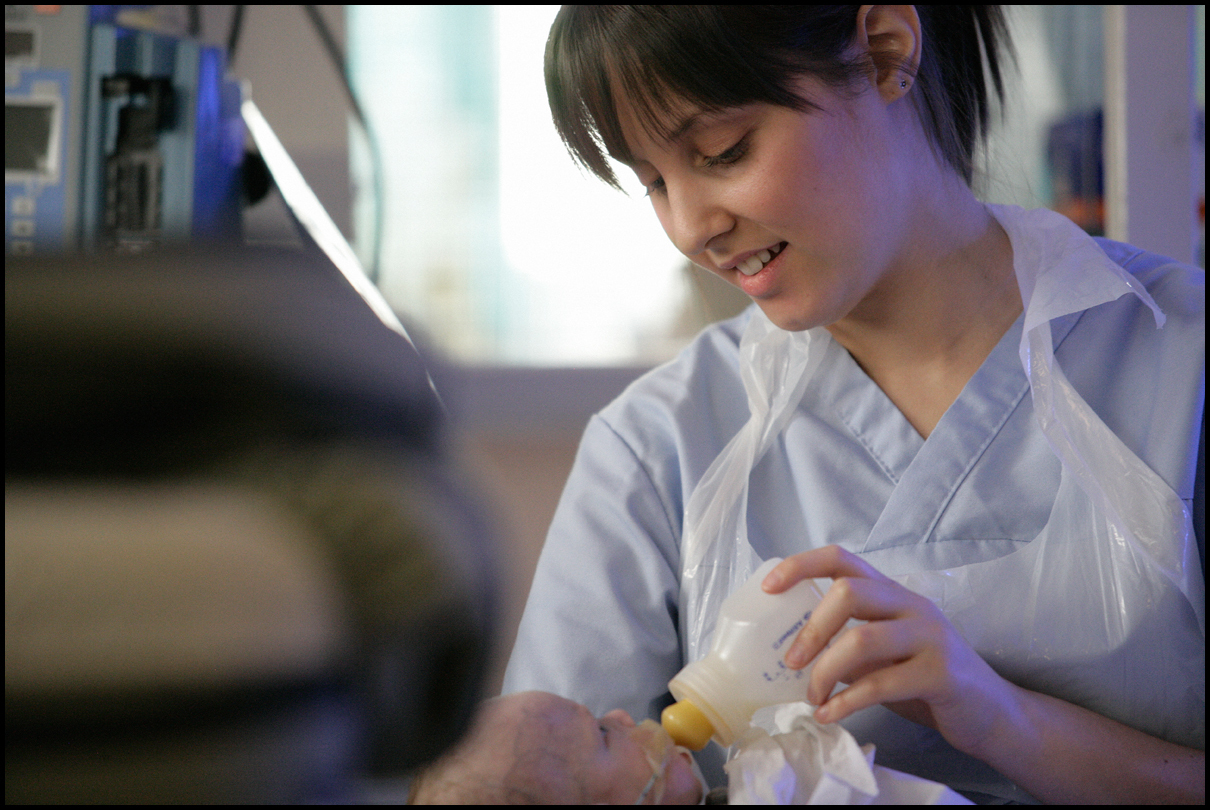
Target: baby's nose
x: 621, y: 716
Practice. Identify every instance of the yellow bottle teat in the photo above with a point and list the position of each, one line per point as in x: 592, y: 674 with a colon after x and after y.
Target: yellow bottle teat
x: 687, y: 726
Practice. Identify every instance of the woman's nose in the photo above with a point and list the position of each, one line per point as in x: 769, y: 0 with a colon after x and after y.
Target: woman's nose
x: 695, y: 219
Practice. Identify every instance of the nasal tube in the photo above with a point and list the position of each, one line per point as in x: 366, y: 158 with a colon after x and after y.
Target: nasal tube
x: 745, y: 668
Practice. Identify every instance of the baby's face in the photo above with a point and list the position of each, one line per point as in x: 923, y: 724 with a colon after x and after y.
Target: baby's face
x: 561, y: 750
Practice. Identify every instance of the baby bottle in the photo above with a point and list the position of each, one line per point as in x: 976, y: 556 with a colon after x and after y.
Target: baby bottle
x: 744, y: 670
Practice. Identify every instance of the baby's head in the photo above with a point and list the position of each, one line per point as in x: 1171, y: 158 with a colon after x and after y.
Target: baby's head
x: 538, y: 748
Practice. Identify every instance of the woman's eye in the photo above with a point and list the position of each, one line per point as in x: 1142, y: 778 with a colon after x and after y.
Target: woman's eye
x: 655, y: 186
x: 728, y: 156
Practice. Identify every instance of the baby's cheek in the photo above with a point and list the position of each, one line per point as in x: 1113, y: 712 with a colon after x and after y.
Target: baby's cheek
x: 681, y: 783
x: 619, y: 781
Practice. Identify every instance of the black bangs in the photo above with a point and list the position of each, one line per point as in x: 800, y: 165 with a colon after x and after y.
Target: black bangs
x: 667, y: 60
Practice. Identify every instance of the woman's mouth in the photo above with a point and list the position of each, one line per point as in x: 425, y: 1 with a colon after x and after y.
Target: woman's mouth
x: 756, y: 262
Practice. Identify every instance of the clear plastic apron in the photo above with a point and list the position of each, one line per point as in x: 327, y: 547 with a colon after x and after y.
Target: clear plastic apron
x: 1104, y: 608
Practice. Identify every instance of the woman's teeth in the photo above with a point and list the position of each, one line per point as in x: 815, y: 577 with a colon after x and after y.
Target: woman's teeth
x: 753, y: 264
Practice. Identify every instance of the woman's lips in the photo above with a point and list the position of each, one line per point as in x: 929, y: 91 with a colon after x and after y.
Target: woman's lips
x: 760, y: 283
x: 753, y: 264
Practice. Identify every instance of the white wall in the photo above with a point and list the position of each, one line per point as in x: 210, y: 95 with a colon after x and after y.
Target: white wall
x: 1155, y: 167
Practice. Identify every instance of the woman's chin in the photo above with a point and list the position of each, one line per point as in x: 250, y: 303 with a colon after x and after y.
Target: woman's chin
x: 791, y: 319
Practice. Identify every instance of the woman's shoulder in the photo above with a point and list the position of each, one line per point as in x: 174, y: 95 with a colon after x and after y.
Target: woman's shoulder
x: 1146, y: 381
x: 1178, y: 288
x: 703, y: 373
x: 678, y: 416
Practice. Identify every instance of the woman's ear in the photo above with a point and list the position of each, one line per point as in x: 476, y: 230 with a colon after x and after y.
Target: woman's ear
x: 890, y: 36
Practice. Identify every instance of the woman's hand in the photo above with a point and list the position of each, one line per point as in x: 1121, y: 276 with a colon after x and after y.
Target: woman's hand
x: 907, y: 655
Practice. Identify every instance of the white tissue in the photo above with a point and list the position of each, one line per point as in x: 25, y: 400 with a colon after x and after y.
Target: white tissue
x: 791, y: 759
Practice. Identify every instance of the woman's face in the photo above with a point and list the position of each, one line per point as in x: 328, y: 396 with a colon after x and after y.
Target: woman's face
x: 803, y: 211
x: 565, y: 749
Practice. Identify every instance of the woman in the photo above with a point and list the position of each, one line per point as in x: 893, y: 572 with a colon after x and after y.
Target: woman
x: 819, y: 158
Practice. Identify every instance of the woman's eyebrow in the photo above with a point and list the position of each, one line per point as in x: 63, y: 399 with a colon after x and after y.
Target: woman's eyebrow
x: 703, y: 117
x: 690, y: 122
x: 687, y: 124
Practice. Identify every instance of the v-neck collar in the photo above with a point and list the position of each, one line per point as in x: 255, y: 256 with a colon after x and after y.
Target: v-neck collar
x: 873, y: 419
x: 927, y: 473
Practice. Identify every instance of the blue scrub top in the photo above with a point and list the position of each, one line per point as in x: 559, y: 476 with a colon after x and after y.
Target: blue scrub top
x: 601, y: 623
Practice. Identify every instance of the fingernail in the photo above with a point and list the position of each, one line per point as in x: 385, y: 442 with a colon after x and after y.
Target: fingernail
x: 796, y: 658
x: 772, y: 581
x: 823, y: 714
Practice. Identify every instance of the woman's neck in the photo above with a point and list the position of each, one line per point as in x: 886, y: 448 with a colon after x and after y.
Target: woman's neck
x: 953, y: 294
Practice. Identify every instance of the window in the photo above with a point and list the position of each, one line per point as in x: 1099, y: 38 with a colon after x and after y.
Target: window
x: 495, y: 245
x: 500, y: 251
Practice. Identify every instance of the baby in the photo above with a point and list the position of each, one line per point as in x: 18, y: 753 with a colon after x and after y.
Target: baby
x: 538, y: 748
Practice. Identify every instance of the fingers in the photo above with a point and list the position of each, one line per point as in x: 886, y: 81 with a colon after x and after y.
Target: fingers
x: 899, y: 652
x: 864, y: 649
x: 906, y: 654
x: 848, y: 598
x: 890, y: 684
x: 829, y: 562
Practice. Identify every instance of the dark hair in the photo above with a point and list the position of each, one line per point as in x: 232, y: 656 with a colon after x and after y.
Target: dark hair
x: 717, y: 57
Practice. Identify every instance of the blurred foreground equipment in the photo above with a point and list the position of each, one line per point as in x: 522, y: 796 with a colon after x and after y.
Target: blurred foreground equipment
x: 118, y: 134
x: 240, y: 565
